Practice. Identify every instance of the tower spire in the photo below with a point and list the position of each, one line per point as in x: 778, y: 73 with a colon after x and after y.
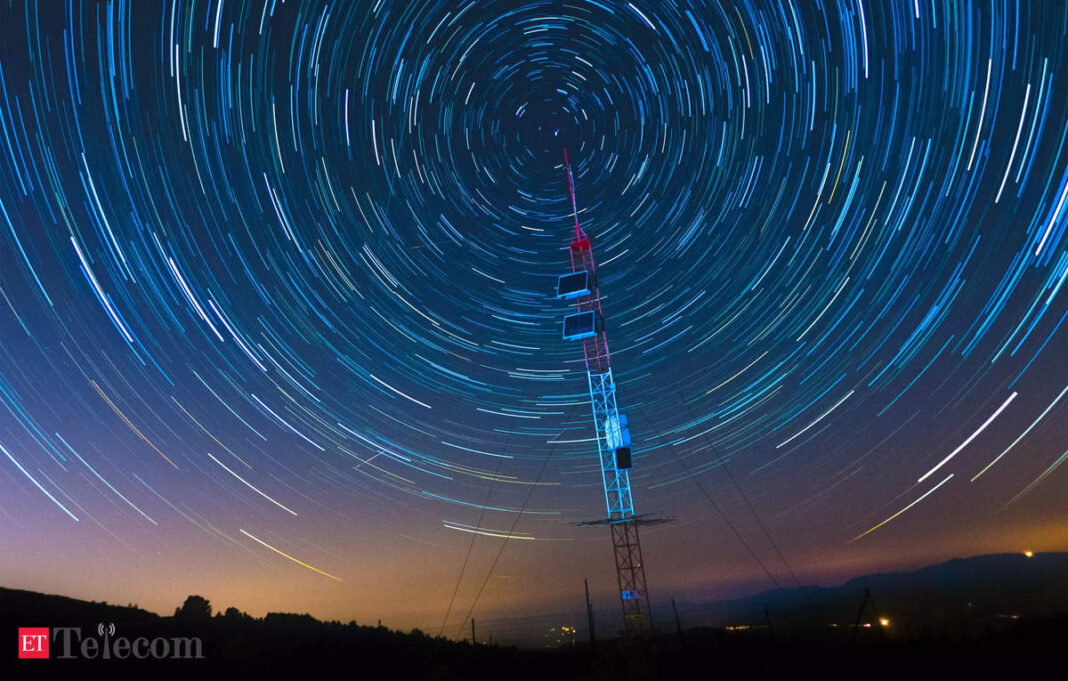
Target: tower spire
x: 579, y: 234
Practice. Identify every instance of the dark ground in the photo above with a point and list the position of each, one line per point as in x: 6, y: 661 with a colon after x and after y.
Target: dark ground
x: 236, y: 646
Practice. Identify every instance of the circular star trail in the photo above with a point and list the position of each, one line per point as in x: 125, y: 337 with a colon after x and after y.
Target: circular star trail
x: 278, y: 276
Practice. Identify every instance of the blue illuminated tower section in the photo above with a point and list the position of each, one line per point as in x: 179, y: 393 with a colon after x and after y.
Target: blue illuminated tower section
x: 586, y: 324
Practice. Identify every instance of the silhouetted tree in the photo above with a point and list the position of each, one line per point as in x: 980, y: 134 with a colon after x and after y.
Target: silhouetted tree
x: 194, y: 608
x: 235, y: 616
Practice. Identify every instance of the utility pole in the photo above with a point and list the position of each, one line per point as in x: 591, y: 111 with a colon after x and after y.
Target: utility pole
x: 868, y: 600
x: 678, y: 624
x: 589, y: 618
x: 767, y: 618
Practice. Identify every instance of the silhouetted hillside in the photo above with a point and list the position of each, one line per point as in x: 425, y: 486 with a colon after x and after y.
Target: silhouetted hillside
x: 966, y: 618
x: 279, y: 644
x: 41, y: 609
x: 961, y: 597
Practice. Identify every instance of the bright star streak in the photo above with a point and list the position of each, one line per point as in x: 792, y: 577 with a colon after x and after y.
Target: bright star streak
x: 286, y: 555
x: 970, y: 438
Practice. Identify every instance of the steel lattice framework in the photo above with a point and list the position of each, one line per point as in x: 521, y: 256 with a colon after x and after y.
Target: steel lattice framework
x: 613, y: 436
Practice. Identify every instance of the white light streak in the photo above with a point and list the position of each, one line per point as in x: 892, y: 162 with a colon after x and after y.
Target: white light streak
x: 970, y: 438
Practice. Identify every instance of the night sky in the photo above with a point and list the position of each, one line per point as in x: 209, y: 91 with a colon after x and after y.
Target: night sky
x: 276, y: 279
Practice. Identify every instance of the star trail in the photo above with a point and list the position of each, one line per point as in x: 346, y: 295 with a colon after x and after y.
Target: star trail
x: 276, y: 280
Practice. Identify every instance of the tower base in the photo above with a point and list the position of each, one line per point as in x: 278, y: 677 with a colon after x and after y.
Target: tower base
x: 630, y: 571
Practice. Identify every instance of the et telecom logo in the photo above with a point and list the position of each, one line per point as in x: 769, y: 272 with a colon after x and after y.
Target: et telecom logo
x: 33, y: 643
x: 71, y: 644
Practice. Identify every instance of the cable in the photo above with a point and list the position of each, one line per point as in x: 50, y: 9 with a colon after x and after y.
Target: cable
x: 722, y: 515
x: 481, y: 515
x: 762, y: 527
x: 471, y: 544
x: 752, y: 510
x: 511, y: 530
x: 745, y: 498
